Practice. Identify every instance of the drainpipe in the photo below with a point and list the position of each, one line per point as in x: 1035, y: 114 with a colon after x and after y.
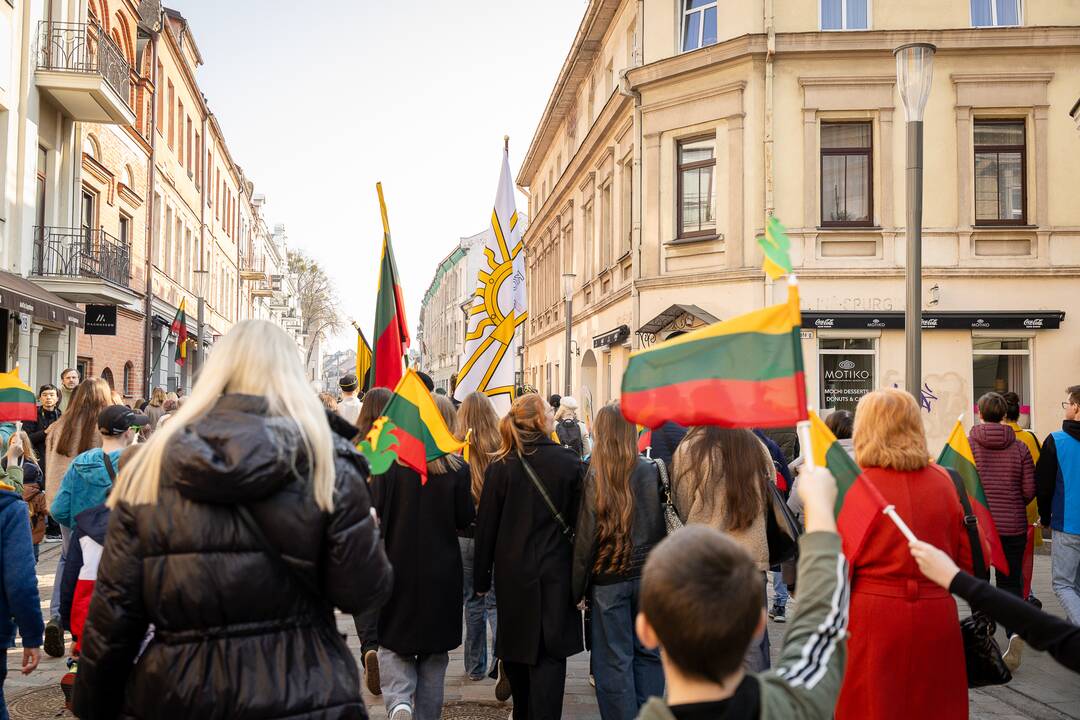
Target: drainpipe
x: 148, y: 335
x: 204, y: 284
x: 770, y: 165
x: 637, y: 195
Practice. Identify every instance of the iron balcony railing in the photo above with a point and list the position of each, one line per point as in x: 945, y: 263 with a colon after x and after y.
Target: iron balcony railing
x: 80, y: 252
x: 83, y: 48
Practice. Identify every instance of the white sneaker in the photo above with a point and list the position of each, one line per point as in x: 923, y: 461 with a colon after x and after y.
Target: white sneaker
x: 402, y: 712
x: 1013, y: 653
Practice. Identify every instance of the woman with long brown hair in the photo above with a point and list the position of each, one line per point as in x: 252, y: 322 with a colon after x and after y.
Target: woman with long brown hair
x: 477, y: 420
x: 75, y: 432
x: 620, y: 521
x: 523, y: 537
x: 720, y: 478
x: 904, y: 630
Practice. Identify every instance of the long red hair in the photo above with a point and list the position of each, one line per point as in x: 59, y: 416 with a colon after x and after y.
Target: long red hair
x: 527, y: 422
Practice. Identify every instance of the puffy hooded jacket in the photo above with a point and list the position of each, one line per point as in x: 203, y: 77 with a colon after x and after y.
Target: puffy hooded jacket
x: 20, y: 606
x: 236, y: 631
x: 1007, y: 474
x: 86, y: 484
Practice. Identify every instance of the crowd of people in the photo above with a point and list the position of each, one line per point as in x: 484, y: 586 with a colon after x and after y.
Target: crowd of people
x: 208, y: 540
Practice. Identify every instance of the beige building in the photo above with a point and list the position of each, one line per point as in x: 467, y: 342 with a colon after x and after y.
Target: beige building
x: 672, y: 132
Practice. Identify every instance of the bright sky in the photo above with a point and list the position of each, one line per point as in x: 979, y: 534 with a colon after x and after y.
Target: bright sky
x: 318, y: 106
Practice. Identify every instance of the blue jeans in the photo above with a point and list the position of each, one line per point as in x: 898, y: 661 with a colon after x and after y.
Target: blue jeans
x: 415, y: 681
x: 54, y: 602
x: 780, y: 593
x: 3, y: 677
x: 1065, y: 569
x: 479, y: 613
x: 627, y: 674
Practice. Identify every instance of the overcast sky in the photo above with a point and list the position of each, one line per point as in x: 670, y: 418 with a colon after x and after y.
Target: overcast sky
x: 320, y: 100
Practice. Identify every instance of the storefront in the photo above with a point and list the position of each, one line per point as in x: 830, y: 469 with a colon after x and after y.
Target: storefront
x: 38, y: 330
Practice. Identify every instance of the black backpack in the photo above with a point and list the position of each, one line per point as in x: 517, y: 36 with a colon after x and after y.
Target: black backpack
x: 569, y: 433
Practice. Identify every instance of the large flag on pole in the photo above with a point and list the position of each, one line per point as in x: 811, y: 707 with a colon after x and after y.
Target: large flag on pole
x: 743, y: 372
x: 499, y: 306
x: 363, y: 360
x: 957, y: 455
x: 391, y: 331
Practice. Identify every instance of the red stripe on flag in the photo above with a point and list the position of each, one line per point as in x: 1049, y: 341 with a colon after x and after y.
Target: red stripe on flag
x: 727, y: 403
x: 17, y: 411
x: 388, y: 353
x: 411, y: 452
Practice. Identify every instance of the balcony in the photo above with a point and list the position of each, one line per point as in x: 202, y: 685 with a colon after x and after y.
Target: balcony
x: 253, y: 269
x: 84, y: 72
x: 82, y: 265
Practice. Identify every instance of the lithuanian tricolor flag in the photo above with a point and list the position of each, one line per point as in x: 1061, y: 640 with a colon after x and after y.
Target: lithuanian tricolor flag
x: 745, y: 372
x: 859, y: 503
x: 957, y: 456
x: 391, y: 331
x: 17, y: 400
x: 179, y: 328
x: 777, y: 247
x: 411, y: 430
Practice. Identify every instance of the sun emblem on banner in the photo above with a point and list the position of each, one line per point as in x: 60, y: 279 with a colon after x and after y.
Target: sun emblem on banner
x: 496, y: 326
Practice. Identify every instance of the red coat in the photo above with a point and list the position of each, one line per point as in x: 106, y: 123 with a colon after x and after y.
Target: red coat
x: 905, y: 653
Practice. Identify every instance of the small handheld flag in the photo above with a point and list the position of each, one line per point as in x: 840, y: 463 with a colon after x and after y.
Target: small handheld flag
x: 411, y: 430
x: 17, y: 401
x: 777, y: 248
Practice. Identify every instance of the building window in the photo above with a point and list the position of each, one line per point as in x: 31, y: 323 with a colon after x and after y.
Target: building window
x: 846, y: 174
x: 1000, y: 172
x: 606, y: 259
x: 846, y: 371
x: 995, y: 13
x: 106, y: 375
x: 1001, y: 365
x: 696, y: 199
x: 129, y: 379
x: 188, y: 136
x: 626, y: 229
x: 159, y: 90
x: 89, y: 219
x: 844, y: 14
x: 180, y: 131
x: 172, y: 113
x: 589, y: 230
x: 699, y: 24
x: 90, y: 147
x: 125, y: 231
x: 198, y: 161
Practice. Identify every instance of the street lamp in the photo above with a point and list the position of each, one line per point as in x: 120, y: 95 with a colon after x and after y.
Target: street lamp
x: 914, y: 75
x: 202, y: 281
x: 568, y: 294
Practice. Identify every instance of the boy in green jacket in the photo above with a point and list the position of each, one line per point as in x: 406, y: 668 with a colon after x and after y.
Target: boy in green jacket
x: 701, y: 603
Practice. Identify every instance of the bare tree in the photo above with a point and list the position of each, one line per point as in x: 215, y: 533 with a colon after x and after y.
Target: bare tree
x: 318, y: 300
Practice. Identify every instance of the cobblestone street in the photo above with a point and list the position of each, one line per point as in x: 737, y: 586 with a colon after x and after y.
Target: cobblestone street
x: 1041, y: 689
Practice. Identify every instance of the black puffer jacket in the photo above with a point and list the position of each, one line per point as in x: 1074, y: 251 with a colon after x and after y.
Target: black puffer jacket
x: 235, y: 635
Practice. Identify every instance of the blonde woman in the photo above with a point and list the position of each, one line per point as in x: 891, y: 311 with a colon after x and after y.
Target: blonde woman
x: 236, y: 530
x: 155, y: 409
x: 477, y: 419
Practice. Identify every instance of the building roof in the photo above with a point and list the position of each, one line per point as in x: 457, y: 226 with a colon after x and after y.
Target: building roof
x: 444, y: 267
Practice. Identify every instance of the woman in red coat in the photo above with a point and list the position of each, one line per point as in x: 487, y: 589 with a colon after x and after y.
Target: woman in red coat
x: 905, y: 653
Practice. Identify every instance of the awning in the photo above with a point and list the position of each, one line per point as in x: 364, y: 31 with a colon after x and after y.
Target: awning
x: 672, y: 314
x: 20, y: 295
x: 942, y: 320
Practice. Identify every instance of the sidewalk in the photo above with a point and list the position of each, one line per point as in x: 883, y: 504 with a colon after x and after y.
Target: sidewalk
x: 1041, y: 689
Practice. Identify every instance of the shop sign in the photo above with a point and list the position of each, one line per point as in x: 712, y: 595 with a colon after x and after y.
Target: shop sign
x: 614, y: 337
x: 844, y: 379
x: 959, y: 320
x: 100, y: 320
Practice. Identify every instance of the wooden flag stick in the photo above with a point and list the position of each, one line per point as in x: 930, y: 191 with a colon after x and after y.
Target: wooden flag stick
x: 899, y: 522
x: 802, y: 429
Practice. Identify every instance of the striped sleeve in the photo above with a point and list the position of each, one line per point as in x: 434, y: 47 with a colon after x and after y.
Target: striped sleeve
x: 806, y: 681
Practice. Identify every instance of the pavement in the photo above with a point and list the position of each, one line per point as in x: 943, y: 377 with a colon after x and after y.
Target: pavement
x: 1040, y: 690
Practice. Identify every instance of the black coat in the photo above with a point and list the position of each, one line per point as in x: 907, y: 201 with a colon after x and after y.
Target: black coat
x: 518, y: 537
x: 35, y: 429
x: 236, y: 633
x: 420, y: 524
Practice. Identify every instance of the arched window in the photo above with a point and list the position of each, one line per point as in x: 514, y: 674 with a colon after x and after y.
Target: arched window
x: 129, y: 378
x: 106, y: 375
x: 90, y: 146
x: 126, y: 177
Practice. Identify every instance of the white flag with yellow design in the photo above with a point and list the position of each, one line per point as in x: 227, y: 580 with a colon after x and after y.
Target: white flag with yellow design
x: 498, y: 307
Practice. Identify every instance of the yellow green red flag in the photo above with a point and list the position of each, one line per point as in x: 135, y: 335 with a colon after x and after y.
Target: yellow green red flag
x: 777, y: 248
x: 17, y: 400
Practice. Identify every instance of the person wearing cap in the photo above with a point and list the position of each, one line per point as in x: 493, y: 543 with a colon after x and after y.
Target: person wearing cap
x: 91, y: 474
x: 349, y: 405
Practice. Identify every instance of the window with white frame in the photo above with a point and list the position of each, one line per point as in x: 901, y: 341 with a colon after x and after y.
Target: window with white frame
x: 698, y: 24
x: 846, y: 371
x: 995, y: 13
x: 1001, y: 364
x: 845, y: 14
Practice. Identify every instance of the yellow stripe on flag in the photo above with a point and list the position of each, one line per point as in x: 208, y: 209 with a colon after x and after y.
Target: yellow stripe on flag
x: 412, y: 388
x: 11, y: 380
x: 958, y: 441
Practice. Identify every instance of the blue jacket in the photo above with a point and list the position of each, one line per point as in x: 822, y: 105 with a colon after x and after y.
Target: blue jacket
x: 20, y: 605
x: 1057, y: 479
x: 86, y: 484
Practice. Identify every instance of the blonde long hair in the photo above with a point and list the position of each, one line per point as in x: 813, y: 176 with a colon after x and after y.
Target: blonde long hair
x: 526, y: 423
x: 447, y: 463
x: 256, y: 357
x: 477, y: 413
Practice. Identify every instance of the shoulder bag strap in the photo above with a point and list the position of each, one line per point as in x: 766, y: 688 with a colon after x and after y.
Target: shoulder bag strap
x: 566, y: 531
x: 305, y: 582
x: 971, y: 523
x: 109, y: 466
x: 665, y: 482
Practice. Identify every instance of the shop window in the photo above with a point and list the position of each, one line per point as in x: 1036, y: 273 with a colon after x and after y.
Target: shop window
x: 847, y: 188
x: 846, y: 371
x: 699, y: 24
x: 844, y: 14
x: 696, y: 198
x: 84, y: 366
x: 1001, y: 365
x: 1000, y: 173
x: 995, y: 13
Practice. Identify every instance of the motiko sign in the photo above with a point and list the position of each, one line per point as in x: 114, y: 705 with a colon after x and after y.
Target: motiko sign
x: 846, y: 371
x: 100, y: 320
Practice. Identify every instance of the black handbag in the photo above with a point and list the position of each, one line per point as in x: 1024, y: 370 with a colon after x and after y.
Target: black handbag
x: 982, y: 656
x: 672, y: 521
x: 782, y: 530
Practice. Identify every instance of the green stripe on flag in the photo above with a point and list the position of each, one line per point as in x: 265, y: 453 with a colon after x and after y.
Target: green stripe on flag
x: 843, y: 468
x: 949, y: 458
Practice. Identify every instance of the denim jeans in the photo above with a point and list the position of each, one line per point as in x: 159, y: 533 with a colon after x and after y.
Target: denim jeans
x: 479, y: 614
x: 757, y: 657
x: 54, y: 602
x: 780, y: 593
x: 414, y: 681
x: 1065, y: 569
x: 3, y: 677
x: 627, y: 674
